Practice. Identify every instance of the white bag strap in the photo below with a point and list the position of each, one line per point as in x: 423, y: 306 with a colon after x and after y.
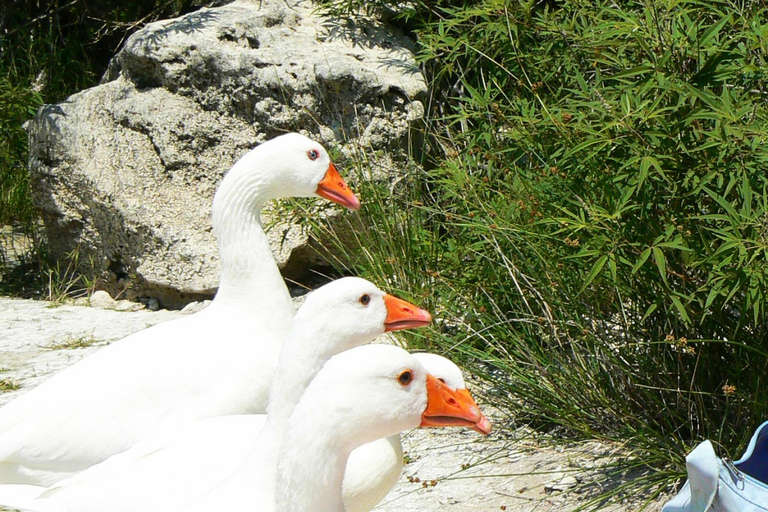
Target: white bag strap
x: 703, y: 469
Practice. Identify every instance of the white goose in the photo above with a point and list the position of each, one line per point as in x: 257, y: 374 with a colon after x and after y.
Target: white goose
x: 184, y: 462
x: 360, y: 395
x: 208, y: 463
x: 218, y: 361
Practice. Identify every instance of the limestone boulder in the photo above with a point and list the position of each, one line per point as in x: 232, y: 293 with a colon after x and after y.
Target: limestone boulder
x: 124, y: 173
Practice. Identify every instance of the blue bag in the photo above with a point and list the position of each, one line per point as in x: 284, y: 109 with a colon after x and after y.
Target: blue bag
x: 717, y: 485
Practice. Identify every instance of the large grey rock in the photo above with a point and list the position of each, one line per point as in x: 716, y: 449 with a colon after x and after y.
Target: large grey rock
x: 124, y: 173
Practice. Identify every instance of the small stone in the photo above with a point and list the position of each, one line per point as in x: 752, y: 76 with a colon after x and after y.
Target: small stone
x: 153, y: 304
x: 102, y: 300
x: 561, y: 484
x: 194, y: 307
x: 127, y: 305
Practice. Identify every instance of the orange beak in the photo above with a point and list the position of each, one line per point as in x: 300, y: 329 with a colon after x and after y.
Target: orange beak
x: 333, y: 188
x: 452, y: 408
x: 403, y: 315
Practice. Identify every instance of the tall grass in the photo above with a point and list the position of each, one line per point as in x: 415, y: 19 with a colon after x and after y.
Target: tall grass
x: 594, y: 215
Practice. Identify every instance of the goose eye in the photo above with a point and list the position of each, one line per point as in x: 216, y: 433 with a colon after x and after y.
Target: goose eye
x: 364, y: 299
x: 405, y: 378
x: 313, y: 154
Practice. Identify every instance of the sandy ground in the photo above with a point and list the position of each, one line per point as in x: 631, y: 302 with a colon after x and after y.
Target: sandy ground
x: 448, y: 470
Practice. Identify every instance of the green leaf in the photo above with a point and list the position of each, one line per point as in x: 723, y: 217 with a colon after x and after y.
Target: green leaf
x: 637, y: 70
x: 681, y: 309
x: 649, y: 311
x: 643, y: 258
x: 674, y: 244
x: 746, y: 196
x: 713, y: 30
x: 728, y: 207
x: 595, y: 271
x: 713, y: 294
x: 661, y: 263
x: 645, y: 164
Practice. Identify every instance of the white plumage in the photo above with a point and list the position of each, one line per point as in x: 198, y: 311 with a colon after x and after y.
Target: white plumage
x: 219, y: 361
x: 229, y: 462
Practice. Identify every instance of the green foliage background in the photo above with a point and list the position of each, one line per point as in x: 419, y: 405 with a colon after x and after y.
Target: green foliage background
x: 589, y: 224
x: 592, y: 225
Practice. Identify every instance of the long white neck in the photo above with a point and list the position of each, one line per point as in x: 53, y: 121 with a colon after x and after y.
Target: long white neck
x: 250, y: 280
x: 312, y: 461
x: 302, y: 355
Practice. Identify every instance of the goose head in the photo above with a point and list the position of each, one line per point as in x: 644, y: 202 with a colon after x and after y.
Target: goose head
x: 309, y: 171
x: 352, y: 311
x: 375, y: 391
x: 290, y: 165
x: 340, y: 315
x: 449, y: 375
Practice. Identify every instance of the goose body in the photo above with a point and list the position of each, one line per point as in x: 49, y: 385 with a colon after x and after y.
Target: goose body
x: 229, y: 461
x: 219, y: 361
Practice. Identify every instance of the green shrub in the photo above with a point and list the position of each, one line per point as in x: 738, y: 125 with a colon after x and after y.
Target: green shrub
x: 598, y: 216
x: 48, y: 51
x: 17, y: 104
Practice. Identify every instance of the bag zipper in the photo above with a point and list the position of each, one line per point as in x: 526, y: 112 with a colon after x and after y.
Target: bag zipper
x: 733, y: 469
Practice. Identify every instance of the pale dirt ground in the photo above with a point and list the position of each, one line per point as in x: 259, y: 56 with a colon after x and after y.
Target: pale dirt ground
x: 449, y: 470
